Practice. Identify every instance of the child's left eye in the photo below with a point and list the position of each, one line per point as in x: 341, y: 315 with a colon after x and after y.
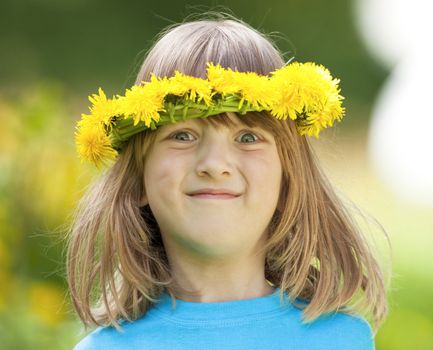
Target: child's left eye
x: 182, y: 133
x: 254, y: 138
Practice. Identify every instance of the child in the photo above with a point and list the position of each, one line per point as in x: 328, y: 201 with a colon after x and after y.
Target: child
x: 215, y: 226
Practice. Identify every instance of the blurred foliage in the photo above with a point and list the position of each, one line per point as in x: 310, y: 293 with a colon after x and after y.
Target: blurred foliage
x: 36, y: 318
x: 57, y: 53
x: 410, y: 229
x: 40, y: 181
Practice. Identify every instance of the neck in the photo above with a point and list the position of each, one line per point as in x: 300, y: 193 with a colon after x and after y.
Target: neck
x: 217, y: 281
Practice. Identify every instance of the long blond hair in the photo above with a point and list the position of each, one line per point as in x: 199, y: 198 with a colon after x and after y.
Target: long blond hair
x: 116, y: 261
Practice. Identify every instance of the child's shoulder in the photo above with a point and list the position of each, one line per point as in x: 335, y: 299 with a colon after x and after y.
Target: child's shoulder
x: 100, y: 338
x: 338, y: 329
x: 343, y: 330
x: 108, y: 337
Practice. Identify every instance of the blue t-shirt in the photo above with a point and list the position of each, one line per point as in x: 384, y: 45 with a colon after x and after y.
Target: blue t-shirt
x: 260, y: 323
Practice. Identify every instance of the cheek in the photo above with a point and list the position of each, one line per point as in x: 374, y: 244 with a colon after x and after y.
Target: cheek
x: 162, y: 174
x: 264, y: 172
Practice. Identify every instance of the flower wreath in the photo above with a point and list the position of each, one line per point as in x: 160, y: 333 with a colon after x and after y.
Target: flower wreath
x: 304, y: 92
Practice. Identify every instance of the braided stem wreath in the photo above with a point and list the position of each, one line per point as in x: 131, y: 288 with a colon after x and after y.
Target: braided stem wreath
x: 304, y: 92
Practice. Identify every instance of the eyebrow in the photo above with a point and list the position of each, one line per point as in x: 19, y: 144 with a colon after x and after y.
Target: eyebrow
x: 238, y: 125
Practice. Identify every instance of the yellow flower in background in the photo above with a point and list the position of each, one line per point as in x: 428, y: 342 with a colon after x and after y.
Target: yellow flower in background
x: 47, y: 302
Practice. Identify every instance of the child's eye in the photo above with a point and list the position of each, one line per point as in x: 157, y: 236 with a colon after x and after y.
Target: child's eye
x: 183, y: 136
x: 253, y: 138
x: 245, y: 136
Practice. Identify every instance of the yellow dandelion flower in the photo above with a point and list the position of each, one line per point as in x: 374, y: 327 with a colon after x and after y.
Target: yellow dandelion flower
x: 103, y: 109
x: 255, y: 89
x: 158, y: 85
x: 93, y: 144
x: 307, y: 91
x: 171, y: 85
x: 142, y: 103
x: 317, y: 121
x: 87, y: 120
x: 196, y: 89
x: 222, y: 80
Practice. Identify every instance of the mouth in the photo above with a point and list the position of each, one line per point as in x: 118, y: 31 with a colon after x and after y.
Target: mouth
x: 214, y: 193
x: 214, y: 196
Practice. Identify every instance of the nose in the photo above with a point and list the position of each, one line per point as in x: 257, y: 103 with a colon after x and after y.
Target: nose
x: 215, y: 159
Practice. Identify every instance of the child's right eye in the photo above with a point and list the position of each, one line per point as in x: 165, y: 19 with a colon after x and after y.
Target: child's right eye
x: 182, y: 136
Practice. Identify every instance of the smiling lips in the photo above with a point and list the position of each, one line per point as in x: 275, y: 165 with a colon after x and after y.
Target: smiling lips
x: 214, y: 194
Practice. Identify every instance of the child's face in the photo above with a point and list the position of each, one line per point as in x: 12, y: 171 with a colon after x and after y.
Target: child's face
x: 190, y: 156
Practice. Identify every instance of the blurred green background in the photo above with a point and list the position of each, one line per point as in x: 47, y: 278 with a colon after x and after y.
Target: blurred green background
x: 55, y: 54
